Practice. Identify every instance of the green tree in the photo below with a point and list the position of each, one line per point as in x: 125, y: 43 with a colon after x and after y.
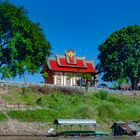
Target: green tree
x: 45, y: 75
x: 120, y: 55
x: 87, y: 77
x: 23, y: 46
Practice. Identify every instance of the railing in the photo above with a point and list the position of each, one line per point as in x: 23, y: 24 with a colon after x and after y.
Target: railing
x: 81, y: 88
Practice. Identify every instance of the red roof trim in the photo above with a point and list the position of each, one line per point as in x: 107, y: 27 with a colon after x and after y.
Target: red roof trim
x: 80, y: 63
x: 48, y: 64
x: 55, y: 67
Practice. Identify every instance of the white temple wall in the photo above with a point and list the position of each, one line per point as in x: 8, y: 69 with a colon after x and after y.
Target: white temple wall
x: 62, y: 79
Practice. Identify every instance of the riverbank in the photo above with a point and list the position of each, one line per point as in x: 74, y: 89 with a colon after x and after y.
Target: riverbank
x: 16, y: 128
x: 31, y: 111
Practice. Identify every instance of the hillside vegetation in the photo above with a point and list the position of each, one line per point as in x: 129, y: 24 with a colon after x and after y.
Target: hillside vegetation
x: 39, y: 106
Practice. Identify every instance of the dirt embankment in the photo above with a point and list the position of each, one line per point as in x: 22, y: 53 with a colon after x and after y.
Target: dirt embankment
x: 13, y: 127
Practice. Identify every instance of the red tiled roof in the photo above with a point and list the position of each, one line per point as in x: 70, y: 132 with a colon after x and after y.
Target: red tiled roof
x: 81, y: 66
x: 71, y: 60
x: 63, y: 62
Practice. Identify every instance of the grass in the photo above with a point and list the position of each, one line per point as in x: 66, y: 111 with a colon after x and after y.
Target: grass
x: 2, y: 117
x: 40, y: 115
x: 103, y: 107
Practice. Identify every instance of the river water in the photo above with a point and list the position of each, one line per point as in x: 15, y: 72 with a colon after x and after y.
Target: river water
x: 69, y: 138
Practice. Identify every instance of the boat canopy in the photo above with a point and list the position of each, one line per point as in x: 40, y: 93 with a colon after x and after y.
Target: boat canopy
x: 75, y: 122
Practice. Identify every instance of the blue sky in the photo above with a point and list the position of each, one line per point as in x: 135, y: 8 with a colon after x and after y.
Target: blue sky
x: 80, y: 24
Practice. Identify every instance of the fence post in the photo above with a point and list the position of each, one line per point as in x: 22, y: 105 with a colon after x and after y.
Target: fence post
x: 5, y: 102
x: 18, y: 105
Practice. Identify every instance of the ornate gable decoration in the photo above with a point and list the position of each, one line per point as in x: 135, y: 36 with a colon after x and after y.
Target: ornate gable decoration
x: 71, y: 57
x: 70, y: 63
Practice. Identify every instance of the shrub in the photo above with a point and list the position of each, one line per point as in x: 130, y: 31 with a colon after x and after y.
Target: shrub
x: 39, y: 115
x: 2, y: 117
x: 106, y: 110
x: 68, y: 90
x: 39, y: 101
x: 103, y: 95
x: 46, y: 89
x: 116, y: 100
x: 39, y: 89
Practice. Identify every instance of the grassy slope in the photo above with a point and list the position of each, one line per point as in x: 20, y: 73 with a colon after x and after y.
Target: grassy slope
x: 100, y: 106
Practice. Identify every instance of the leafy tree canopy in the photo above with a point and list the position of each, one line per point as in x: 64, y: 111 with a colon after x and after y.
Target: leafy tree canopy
x: 23, y: 46
x: 120, y: 55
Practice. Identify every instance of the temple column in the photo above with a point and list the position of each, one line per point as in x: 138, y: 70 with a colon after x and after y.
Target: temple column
x: 54, y: 79
x: 96, y: 80
x: 74, y: 81
x: 62, y: 81
x: 65, y: 78
x: 71, y: 81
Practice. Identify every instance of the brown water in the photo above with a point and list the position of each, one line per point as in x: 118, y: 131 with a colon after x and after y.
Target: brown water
x: 72, y: 138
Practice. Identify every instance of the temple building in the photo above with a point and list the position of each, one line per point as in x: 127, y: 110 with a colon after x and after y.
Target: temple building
x: 66, y: 70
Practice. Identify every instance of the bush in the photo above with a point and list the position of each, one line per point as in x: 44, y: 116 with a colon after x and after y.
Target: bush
x: 39, y: 115
x: 106, y: 111
x: 46, y: 89
x: 39, y: 89
x: 117, y: 100
x: 68, y: 90
x: 39, y: 101
x: 2, y: 117
x: 103, y: 95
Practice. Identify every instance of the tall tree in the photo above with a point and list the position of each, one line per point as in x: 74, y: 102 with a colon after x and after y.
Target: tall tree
x: 120, y: 55
x: 23, y: 46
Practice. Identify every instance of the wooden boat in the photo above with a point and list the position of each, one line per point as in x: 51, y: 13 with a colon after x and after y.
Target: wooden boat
x: 80, y: 123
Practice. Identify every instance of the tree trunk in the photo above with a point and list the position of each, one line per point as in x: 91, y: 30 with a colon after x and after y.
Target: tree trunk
x: 1, y: 64
x: 134, y: 82
x: 86, y: 86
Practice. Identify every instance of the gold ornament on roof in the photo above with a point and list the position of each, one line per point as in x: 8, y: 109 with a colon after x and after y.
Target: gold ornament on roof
x: 71, y: 53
